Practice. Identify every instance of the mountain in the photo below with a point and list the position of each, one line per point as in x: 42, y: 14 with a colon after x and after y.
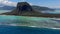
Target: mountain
x: 40, y: 8
x: 25, y: 9
x: 7, y: 8
x: 22, y: 8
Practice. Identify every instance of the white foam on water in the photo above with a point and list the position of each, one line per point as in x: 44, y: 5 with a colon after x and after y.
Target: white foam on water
x: 53, y: 28
x: 31, y: 26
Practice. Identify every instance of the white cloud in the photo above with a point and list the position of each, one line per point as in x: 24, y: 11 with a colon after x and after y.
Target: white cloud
x: 30, y: 3
x: 9, y: 3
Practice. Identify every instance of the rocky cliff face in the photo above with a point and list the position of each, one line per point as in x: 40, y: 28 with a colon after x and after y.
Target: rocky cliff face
x: 22, y: 7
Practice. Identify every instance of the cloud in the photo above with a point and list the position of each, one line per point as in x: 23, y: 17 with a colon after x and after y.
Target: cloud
x: 10, y: 3
x: 30, y: 3
x: 7, y: 2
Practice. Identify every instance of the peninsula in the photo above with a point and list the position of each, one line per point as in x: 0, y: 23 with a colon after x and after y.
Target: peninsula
x: 25, y: 9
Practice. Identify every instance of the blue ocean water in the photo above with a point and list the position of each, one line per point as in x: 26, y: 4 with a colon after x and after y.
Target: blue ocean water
x: 26, y: 30
x: 8, y: 25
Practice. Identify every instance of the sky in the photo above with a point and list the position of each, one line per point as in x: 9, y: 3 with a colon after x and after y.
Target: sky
x: 46, y: 3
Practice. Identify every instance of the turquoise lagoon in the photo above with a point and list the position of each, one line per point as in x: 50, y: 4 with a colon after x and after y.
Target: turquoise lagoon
x: 28, y: 21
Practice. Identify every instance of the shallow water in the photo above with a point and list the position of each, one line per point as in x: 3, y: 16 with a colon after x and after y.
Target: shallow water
x: 52, y: 12
x: 10, y: 24
x: 3, y: 11
x: 28, y: 21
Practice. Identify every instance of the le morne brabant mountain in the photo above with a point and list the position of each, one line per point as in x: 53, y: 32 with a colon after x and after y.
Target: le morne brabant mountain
x: 25, y: 9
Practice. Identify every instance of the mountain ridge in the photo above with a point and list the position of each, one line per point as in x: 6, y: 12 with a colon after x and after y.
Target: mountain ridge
x: 39, y: 8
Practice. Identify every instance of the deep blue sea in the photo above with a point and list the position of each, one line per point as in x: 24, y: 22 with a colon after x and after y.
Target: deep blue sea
x: 10, y: 24
x: 26, y: 30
